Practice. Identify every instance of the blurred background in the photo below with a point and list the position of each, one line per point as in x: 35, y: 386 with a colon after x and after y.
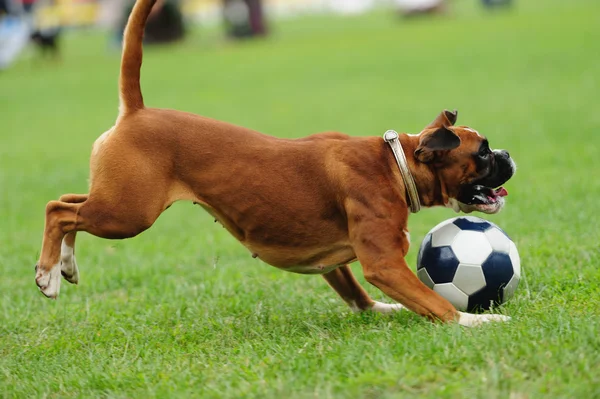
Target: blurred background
x: 43, y: 22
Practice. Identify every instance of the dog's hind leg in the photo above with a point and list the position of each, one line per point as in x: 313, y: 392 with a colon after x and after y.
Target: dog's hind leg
x: 104, y: 218
x: 344, y: 283
x: 68, y: 264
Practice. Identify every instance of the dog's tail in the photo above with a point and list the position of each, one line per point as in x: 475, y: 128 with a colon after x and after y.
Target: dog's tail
x: 130, y: 93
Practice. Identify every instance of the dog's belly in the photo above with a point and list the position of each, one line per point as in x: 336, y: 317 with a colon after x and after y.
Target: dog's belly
x: 314, y: 249
x: 317, y: 269
x: 304, y: 260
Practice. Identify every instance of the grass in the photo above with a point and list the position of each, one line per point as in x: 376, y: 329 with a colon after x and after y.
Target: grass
x: 184, y: 311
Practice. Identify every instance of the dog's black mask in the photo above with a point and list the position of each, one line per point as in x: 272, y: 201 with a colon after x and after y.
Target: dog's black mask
x: 488, y: 189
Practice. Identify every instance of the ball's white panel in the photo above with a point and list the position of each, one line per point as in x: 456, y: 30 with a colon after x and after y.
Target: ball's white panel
x: 439, y: 225
x: 509, y: 290
x: 425, y: 278
x: 459, y: 299
x: 515, y: 259
x: 471, y: 247
x: 444, y: 235
x: 469, y: 278
x: 498, y: 240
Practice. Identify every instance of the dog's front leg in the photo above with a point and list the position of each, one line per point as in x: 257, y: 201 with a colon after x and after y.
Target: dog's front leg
x: 344, y: 283
x: 395, y: 279
x: 380, y: 244
x: 392, y: 276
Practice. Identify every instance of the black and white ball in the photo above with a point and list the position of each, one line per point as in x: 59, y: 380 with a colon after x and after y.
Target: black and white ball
x: 471, y: 262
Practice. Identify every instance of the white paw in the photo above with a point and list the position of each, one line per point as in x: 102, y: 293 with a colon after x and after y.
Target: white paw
x: 474, y: 320
x: 68, y: 264
x: 381, y: 307
x: 49, y: 282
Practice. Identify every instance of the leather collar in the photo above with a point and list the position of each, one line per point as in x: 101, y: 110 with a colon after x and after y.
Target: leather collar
x: 391, y: 137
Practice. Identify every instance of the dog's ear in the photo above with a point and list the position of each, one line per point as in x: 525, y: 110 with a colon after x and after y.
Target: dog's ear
x: 444, y: 119
x: 441, y: 139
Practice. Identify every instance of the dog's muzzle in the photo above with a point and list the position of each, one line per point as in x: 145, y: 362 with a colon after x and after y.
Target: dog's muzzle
x: 487, y: 194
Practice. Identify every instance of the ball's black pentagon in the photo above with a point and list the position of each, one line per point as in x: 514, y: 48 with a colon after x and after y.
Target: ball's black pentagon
x: 440, y: 263
x: 424, y: 245
x: 466, y: 224
x: 484, y: 299
x: 497, y: 270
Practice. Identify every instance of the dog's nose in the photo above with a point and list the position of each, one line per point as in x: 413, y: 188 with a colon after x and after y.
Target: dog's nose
x: 502, y: 153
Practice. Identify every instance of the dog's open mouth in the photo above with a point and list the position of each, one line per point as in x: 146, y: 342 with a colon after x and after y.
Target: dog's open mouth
x: 485, y: 195
x: 481, y: 198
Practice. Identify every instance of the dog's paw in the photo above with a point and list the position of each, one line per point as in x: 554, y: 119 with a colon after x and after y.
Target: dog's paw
x: 381, y: 307
x: 68, y: 264
x: 48, y: 281
x: 69, y: 269
x: 474, y: 320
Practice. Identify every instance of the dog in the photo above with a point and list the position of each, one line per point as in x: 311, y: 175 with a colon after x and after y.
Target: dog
x: 311, y: 205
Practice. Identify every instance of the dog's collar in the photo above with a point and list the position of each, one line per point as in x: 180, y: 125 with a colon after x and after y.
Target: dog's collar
x: 391, y: 137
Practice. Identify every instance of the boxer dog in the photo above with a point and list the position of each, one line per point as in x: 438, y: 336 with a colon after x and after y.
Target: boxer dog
x: 310, y: 206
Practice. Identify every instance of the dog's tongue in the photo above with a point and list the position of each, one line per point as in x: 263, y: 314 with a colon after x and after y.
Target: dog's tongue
x: 501, y: 192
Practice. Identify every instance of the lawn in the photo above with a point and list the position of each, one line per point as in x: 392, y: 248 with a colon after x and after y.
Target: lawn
x: 184, y: 311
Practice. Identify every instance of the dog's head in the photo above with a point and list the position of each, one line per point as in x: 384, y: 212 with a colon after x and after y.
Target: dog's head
x: 470, y: 170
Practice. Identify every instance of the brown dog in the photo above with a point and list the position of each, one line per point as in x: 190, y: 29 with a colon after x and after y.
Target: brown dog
x: 309, y: 206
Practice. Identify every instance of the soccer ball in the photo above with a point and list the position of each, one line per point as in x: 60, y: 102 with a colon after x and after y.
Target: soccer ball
x: 471, y: 262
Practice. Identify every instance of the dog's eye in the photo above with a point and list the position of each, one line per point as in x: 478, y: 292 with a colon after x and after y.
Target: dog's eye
x: 484, y: 152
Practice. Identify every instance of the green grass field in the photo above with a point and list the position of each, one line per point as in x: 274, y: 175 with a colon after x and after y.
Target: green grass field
x: 184, y: 311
